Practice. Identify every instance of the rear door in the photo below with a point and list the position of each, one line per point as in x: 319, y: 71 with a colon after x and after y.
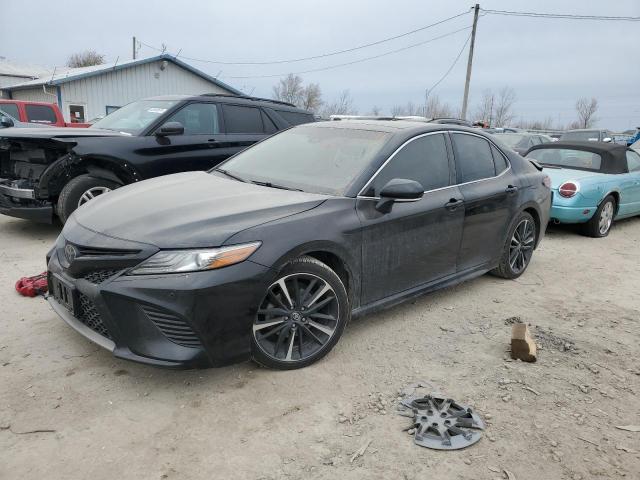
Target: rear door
x: 416, y: 242
x: 490, y: 192
x: 245, y: 125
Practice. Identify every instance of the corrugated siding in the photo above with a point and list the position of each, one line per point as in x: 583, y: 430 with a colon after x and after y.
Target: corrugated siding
x: 36, y: 95
x: 120, y: 87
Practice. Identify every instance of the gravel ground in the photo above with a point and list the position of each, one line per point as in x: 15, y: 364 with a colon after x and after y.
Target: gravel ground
x: 555, y: 419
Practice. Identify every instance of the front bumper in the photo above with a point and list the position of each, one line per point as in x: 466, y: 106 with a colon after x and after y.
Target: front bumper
x: 21, y: 203
x: 194, y: 320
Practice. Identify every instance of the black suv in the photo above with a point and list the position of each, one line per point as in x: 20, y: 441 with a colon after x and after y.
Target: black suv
x: 47, y: 171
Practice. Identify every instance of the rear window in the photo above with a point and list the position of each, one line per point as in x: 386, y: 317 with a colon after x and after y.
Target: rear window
x: 40, y: 114
x: 584, y: 136
x: 11, y: 109
x: 295, y: 118
x: 239, y: 119
x: 567, y: 158
x: 473, y: 158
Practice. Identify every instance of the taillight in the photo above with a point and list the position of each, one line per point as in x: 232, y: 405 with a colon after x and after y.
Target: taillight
x: 569, y: 189
x: 546, y: 181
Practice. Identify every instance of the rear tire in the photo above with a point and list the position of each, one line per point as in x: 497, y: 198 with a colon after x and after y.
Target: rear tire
x: 302, y: 316
x: 600, y: 224
x: 518, y: 249
x: 78, y: 191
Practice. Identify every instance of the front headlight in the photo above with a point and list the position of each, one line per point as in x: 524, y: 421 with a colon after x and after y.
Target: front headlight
x: 179, y: 261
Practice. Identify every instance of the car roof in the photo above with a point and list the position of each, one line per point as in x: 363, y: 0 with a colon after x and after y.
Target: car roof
x: 240, y: 99
x: 391, y: 126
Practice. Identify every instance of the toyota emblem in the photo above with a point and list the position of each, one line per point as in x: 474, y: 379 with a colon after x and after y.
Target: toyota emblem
x: 70, y: 253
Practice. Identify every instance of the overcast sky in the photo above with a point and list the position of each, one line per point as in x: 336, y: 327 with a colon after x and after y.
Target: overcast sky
x: 548, y: 62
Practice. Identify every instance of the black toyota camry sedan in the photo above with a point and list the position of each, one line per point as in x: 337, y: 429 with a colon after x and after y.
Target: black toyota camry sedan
x: 270, y: 254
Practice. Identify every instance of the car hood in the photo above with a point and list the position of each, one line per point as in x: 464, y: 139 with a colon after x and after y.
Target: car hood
x: 189, y: 210
x: 560, y: 175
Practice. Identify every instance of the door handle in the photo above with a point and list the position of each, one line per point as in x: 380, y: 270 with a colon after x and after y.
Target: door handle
x: 453, y: 203
x: 511, y: 189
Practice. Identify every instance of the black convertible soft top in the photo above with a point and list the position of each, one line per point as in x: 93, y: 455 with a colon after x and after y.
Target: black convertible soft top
x: 614, y: 155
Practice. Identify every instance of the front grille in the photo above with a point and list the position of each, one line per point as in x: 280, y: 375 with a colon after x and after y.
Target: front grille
x: 172, y: 326
x: 90, y: 317
x: 99, y: 276
x: 99, y: 252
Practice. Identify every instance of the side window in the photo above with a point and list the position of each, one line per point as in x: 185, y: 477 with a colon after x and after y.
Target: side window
x: 295, y: 118
x: 473, y: 158
x: 197, y: 119
x: 11, y: 109
x: 499, y: 160
x: 269, y: 126
x: 424, y: 160
x: 40, y: 114
x: 240, y: 119
x: 633, y: 161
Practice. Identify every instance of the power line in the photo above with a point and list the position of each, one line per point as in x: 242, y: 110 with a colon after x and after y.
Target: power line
x: 323, y: 55
x: 452, y: 65
x: 560, y: 15
x: 330, y: 67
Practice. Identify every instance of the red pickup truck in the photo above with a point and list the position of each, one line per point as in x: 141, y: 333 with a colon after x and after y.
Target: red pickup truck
x: 37, y: 112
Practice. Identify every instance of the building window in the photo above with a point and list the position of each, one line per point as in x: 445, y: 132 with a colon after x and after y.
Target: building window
x: 110, y: 109
x: 76, y: 112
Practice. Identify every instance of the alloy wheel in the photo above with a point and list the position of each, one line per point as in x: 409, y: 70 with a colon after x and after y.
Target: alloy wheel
x: 91, y: 194
x: 297, y: 318
x: 606, y: 218
x: 521, y: 247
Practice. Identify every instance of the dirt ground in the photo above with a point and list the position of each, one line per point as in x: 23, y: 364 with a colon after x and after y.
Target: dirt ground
x: 555, y: 419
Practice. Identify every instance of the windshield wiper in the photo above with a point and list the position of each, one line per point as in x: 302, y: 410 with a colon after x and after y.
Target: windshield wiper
x: 235, y: 177
x: 273, y: 185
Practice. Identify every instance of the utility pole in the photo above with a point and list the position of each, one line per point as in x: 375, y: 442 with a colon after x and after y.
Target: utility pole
x: 134, y: 48
x: 465, y: 99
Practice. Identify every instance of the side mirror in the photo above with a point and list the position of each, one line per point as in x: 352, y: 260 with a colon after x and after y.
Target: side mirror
x: 170, y: 128
x: 607, y: 139
x: 399, y: 190
x: 6, y: 122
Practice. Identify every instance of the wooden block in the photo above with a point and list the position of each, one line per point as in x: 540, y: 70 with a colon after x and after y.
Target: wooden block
x: 522, y: 345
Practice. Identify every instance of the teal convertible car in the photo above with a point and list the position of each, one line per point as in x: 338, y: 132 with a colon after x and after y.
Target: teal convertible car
x: 593, y: 183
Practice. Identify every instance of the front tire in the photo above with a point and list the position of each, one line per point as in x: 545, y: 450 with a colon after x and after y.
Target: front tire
x: 80, y: 190
x: 302, y: 316
x: 600, y: 224
x: 518, y: 250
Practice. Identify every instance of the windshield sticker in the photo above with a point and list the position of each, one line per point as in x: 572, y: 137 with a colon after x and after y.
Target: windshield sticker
x: 156, y: 110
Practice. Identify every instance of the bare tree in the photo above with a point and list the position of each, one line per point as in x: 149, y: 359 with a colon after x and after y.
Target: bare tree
x: 586, y: 112
x: 85, y: 59
x: 342, y: 106
x: 504, y: 106
x: 436, y: 109
x: 291, y: 89
x: 375, y: 111
x: 485, y: 110
x: 311, y: 98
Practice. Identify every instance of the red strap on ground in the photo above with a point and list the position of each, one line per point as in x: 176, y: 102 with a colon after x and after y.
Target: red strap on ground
x: 32, y: 286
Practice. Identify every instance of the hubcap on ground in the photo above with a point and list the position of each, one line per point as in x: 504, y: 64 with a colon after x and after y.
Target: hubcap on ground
x: 521, y: 247
x: 606, y: 218
x: 298, y: 316
x: 92, y: 193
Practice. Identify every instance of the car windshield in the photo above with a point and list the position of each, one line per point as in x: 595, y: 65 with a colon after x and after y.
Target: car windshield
x: 313, y: 159
x: 567, y: 158
x: 636, y: 146
x: 135, y: 117
x: 515, y: 140
x: 582, y: 136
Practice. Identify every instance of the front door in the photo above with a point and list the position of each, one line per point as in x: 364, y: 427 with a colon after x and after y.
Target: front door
x: 200, y: 147
x: 416, y: 242
x: 630, y: 186
x: 490, y: 192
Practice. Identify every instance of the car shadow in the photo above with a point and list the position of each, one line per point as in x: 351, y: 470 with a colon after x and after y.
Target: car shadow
x: 17, y: 228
